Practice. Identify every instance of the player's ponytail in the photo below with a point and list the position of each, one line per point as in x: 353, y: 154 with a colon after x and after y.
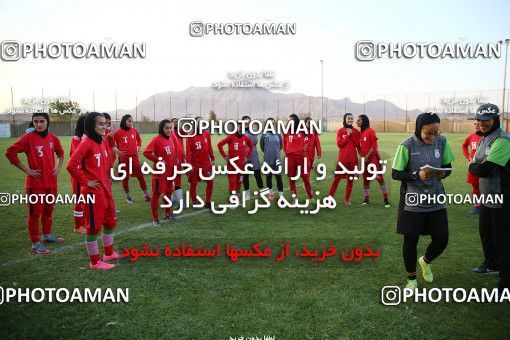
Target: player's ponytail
x: 79, y: 130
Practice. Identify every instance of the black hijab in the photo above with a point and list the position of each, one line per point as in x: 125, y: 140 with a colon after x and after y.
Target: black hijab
x: 347, y: 126
x: 425, y: 118
x: 90, y: 126
x: 295, y: 119
x: 162, y: 126
x: 44, y: 133
x: 123, y: 125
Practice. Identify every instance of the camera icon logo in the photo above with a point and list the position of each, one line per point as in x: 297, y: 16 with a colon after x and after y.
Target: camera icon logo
x: 10, y: 50
x: 365, y: 50
x: 411, y: 199
x: 5, y: 199
x: 196, y: 29
x: 187, y: 127
x: 391, y: 295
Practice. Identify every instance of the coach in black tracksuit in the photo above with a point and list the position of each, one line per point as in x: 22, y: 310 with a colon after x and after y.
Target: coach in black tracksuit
x: 492, y: 165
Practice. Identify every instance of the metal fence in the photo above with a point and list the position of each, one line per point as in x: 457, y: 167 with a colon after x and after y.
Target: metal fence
x: 388, y: 113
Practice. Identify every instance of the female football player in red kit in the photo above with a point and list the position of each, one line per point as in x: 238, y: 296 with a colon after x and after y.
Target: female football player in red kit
x: 469, y: 150
x: 295, y: 150
x: 370, y: 152
x: 108, y: 135
x: 313, y: 144
x: 239, y: 145
x: 79, y: 221
x: 200, y: 155
x: 179, y: 140
x: 40, y: 146
x: 89, y: 165
x: 347, y: 140
x: 127, y: 146
x: 162, y: 149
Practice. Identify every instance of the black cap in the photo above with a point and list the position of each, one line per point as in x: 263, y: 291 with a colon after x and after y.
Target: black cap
x: 487, y: 111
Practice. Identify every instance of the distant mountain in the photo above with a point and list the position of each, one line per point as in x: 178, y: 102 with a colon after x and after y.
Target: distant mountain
x: 233, y: 103
x: 257, y: 103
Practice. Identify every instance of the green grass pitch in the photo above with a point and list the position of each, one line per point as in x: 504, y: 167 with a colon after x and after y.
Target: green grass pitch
x: 214, y: 298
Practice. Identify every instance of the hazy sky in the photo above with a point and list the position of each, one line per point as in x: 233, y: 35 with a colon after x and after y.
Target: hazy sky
x: 175, y: 60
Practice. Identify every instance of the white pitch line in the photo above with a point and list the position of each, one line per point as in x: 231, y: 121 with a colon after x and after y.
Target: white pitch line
x: 72, y: 246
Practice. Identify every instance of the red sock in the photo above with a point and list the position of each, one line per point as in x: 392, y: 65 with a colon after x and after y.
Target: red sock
x: 94, y: 259
x: 108, y: 250
x: 79, y: 220
x: 292, y: 185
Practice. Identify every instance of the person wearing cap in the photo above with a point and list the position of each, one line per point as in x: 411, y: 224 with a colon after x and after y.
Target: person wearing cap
x: 491, y: 164
x: 416, y: 216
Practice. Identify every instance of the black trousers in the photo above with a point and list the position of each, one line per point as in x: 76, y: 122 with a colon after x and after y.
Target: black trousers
x: 494, y: 228
x: 434, y: 249
x: 258, y: 178
x: 279, y: 183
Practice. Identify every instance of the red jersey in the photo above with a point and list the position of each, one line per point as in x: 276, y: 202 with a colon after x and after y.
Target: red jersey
x: 128, y: 141
x: 179, y: 147
x: 75, y: 142
x: 294, y: 143
x: 313, y: 143
x: 368, y: 140
x: 238, y: 146
x: 199, y: 150
x: 40, y: 155
x: 91, y: 161
x: 471, y: 141
x: 179, y: 139
x: 348, y: 145
x: 165, y: 148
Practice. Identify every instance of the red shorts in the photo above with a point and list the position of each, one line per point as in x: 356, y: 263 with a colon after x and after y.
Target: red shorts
x: 136, y: 166
x: 38, y: 207
x: 100, y: 213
